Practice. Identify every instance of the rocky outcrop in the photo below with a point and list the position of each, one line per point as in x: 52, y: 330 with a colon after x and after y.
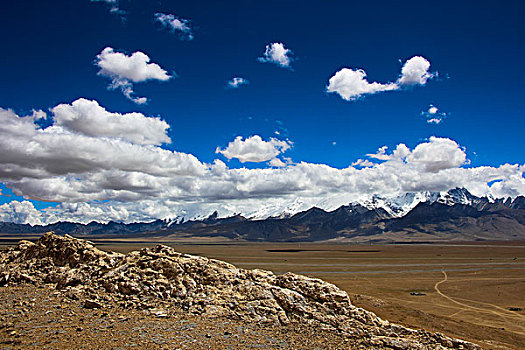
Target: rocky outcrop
x: 158, y: 278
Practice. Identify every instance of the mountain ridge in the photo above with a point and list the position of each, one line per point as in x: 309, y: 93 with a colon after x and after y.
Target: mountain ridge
x: 452, y: 215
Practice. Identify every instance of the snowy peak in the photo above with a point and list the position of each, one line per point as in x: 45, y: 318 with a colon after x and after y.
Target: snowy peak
x: 457, y: 196
x: 399, y: 206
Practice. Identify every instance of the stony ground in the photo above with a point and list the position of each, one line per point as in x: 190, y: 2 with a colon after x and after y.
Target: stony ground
x: 41, y: 318
x: 62, y: 293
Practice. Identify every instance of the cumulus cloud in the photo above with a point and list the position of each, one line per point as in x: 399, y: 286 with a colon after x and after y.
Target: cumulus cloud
x: 89, y: 118
x: 278, y: 54
x: 124, y: 70
x: 122, y: 176
x: 437, y: 154
x: 135, y: 67
x: 380, y: 154
x: 254, y: 149
x: 236, y: 82
x: 401, y: 152
x: 432, y: 156
x: 415, y: 71
x: 433, y: 116
x: 21, y: 213
x: 114, y: 156
x: 351, y: 84
x: 175, y: 25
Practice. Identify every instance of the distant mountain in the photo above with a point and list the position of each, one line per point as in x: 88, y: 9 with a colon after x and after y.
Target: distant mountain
x: 437, y: 221
x: 399, y: 206
x: 412, y: 217
x: 395, y: 206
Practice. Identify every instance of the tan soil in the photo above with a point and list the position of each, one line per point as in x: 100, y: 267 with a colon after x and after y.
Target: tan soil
x: 41, y: 318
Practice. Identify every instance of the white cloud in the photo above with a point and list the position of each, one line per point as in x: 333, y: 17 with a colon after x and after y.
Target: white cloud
x: 401, y: 152
x: 254, y: 149
x: 135, y: 67
x: 125, y: 70
x: 276, y: 162
x: 236, y: 82
x: 363, y: 163
x: 433, y: 156
x: 126, y: 87
x: 380, y: 154
x: 175, y: 24
x: 72, y: 162
x: 104, y: 175
x: 433, y: 116
x: 437, y: 154
x: 21, y: 213
x: 278, y: 54
x: 415, y: 71
x: 89, y: 118
x: 351, y: 84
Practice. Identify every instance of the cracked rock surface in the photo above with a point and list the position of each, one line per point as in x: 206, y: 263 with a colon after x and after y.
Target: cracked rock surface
x: 157, y: 279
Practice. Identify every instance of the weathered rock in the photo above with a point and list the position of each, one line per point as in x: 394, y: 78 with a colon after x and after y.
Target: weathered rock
x: 153, y: 278
x: 91, y: 304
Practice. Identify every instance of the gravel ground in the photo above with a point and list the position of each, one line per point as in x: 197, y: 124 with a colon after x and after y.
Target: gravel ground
x: 42, y: 318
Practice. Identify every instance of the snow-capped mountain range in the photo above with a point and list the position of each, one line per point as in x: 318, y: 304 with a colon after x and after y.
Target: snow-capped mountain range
x: 396, y: 206
x: 418, y: 216
x: 399, y: 206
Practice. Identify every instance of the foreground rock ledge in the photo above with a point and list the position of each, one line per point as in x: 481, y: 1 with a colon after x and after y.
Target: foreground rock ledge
x: 155, y: 278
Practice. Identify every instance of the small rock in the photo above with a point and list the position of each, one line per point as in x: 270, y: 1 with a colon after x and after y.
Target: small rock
x: 91, y: 304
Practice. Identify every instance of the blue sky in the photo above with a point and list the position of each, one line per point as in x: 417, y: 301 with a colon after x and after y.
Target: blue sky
x: 475, y: 50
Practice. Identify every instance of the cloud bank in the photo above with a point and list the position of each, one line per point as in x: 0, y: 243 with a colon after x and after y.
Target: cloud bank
x: 124, y: 70
x: 103, y: 165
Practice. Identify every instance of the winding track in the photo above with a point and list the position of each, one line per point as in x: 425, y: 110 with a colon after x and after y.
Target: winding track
x: 504, y: 314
